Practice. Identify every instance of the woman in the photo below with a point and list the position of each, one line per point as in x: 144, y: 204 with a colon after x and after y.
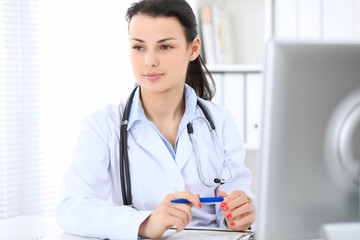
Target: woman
x: 164, y: 52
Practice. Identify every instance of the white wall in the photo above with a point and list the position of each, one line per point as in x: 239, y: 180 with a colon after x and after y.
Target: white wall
x: 84, y: 65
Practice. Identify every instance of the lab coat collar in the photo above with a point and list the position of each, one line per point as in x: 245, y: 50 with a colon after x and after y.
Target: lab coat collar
x: 190, y: 108
x: 136, y: 111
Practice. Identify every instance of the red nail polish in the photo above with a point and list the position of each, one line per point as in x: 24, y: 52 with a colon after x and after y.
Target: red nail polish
x: 229, y: 216
x: 225, y: 208
x: 222, y: 204
x: 232, y: 224
x: 200, y: 206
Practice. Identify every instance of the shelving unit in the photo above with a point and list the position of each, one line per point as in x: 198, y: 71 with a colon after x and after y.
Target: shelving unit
x: 247, y: 24
x: 235, y: 68
x: 255, y: 21
x: 244, y: 73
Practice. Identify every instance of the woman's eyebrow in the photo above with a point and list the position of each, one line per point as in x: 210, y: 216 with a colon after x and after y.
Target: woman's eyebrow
x: 160, y: 41
x: 166, y: 39
x: 136, y: 39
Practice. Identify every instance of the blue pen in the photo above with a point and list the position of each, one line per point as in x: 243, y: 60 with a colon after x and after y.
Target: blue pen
x: 204, y: 200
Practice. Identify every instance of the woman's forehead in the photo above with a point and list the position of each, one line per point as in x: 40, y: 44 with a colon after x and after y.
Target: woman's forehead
x: 162, y: 27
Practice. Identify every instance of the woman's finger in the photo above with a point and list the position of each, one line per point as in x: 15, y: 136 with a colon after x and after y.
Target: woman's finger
x: 179, y: 214
x: 235, y: 202
x: 192, y: 198
x: 221, y: 193
x: 238, y: 210
x: 185, y: 208
x: 243, y: 222
x: 175, y: 221
x: 232, y: 201
x: 234, y: 195
x: 245, y: 209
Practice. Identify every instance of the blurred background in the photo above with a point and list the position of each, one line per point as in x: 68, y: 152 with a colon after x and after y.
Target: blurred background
x: 60, y: 60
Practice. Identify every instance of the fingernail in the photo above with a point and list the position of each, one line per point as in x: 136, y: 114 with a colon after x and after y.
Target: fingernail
x: 222, y: 204
x: 229, y: 216
x: 200, y: 206
x: 232, y: 224
x: 225, y: 208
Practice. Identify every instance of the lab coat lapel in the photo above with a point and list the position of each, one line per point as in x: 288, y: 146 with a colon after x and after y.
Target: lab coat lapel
x: 152, y: 143
x: 184, y: 150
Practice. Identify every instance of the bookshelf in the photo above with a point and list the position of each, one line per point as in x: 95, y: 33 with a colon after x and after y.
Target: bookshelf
x: 238, y: 78
x: 259, y: 20
x: 235, y: 68
x: 246, y: 22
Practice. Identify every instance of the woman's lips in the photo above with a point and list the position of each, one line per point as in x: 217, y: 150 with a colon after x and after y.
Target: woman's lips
x: 153, y: 76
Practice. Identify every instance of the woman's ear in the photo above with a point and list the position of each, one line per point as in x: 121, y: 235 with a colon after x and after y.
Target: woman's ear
x: 195, y: 49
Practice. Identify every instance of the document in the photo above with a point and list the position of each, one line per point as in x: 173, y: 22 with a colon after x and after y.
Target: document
x: 200, y: 233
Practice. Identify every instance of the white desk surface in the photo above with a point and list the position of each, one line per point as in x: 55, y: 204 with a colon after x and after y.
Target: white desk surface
x: 34, y: 228
x: 38, y: 228
x: 46, y: 228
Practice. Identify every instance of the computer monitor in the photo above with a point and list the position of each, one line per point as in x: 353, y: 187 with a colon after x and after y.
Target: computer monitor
x: 310, y: 146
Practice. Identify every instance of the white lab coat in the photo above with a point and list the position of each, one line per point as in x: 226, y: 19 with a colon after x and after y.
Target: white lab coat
x: 91, y: 202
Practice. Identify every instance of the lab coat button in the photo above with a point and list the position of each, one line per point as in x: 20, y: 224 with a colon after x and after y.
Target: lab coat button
x: 176, y: 190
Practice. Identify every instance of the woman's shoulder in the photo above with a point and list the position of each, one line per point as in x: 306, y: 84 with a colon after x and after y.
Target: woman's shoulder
x: 108, y: 114
x: 221, y: 116
x: 214, y: 109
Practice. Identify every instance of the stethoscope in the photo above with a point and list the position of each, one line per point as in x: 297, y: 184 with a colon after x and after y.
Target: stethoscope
x: 124, y: 158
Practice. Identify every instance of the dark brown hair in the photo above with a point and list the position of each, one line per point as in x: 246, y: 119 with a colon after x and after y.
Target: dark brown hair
x: 197, y: 71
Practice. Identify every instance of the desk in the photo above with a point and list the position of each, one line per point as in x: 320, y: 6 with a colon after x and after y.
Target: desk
x: 34, y: 228
x: 46, y: 228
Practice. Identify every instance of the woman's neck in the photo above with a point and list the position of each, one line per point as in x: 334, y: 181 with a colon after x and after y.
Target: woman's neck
x: 163, y: 107
x: 165, y: 110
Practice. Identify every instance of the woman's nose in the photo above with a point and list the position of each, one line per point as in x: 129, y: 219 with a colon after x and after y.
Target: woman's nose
x: 151, y: 60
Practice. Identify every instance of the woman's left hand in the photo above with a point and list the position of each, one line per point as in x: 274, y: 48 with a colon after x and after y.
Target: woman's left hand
x: 238, y: 210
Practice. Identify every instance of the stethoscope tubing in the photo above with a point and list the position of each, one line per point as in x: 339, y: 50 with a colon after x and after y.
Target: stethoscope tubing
x: 124, y: 158
x: 123, y: 153
x: 219, y: 147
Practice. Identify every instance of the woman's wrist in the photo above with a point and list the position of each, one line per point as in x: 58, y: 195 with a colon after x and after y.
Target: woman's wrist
x: 143, y: 227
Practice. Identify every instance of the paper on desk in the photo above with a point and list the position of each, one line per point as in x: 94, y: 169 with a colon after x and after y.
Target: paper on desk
x: 205, y: 234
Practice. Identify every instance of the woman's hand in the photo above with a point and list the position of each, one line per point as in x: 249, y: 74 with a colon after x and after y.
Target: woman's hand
x: 169, y: 214
x: 238, y: 210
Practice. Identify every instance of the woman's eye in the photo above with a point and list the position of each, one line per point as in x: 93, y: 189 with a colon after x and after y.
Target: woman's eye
x: 139, y: 48
x: 166, y: 47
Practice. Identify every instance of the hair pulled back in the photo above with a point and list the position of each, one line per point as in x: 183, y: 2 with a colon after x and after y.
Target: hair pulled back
x: 197, y: 71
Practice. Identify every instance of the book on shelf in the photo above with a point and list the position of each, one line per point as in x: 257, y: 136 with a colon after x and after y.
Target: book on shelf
x: 207, y: 35
x: 216, y: 35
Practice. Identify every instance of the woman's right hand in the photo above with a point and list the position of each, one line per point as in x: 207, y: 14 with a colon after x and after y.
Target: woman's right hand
x: 169, y: 214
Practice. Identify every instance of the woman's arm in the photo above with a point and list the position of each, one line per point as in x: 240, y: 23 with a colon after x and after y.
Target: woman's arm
x: 85, y: 208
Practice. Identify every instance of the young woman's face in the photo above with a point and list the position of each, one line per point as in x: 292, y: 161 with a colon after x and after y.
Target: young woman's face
x: 159, y: 52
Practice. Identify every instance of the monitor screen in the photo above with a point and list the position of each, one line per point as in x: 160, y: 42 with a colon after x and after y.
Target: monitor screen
x: 310, y: 146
